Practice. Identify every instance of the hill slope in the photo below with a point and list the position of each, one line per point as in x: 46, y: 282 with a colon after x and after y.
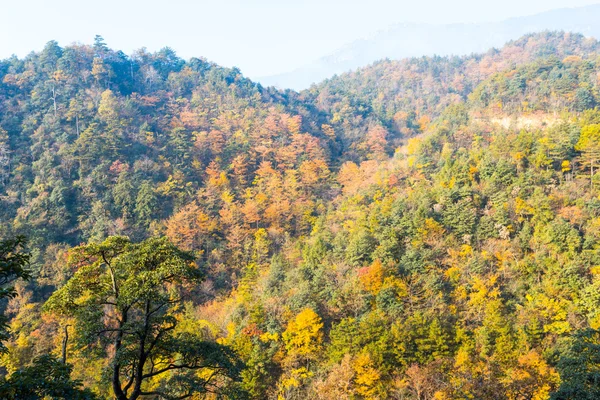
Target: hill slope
x: 404, y: 96
x: 381, y: 235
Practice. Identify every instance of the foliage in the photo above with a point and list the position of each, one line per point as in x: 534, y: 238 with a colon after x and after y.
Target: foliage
x: 123, y: 299
x: 14, y: 261
x: 417, y: 229
x: 46, y: 378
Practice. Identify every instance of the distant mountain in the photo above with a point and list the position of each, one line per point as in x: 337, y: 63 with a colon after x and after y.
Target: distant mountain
x: 411, y: 40
x: 403, y: 95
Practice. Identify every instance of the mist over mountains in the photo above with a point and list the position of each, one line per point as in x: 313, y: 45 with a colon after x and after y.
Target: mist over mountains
x: 416, y: 39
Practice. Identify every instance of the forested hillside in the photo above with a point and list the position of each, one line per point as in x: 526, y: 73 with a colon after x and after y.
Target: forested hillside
x: 417, y: 229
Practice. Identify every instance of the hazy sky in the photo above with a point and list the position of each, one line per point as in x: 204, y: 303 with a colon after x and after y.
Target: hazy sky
x: 262, y: 37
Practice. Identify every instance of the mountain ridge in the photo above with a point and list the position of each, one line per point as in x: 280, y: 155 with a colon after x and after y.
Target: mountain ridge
x: 415, y: 39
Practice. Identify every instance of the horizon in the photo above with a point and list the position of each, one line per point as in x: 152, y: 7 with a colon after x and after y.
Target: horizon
x: 244, y: 45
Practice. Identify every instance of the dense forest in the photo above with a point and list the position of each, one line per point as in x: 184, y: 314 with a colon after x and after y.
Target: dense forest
x: 419, y: 229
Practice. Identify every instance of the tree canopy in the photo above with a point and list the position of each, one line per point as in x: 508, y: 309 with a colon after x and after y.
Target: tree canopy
x: 422, y: 229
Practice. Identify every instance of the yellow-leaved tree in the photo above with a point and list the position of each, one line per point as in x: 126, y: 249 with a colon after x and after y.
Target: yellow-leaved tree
x: 304, y: 336
x: 367, y: 378
x: 303, y: 340
x: 589, y: 146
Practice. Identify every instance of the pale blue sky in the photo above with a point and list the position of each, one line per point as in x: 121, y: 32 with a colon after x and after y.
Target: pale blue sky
x: 261, y: 37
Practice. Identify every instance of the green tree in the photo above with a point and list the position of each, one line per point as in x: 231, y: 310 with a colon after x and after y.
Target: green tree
x: 145, y: 204
x: 124, y: 299
x: 14, y: 260
x: 579, y: 368
x: 46, y: 378
x: 124, y: 195
x: 345, y: 339
x: 584, y: 99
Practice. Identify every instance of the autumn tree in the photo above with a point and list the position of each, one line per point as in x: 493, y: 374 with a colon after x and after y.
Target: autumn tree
x: 46, y: 377
x: 303, y: 336
x: 367, y: 379
x: 589, y: 146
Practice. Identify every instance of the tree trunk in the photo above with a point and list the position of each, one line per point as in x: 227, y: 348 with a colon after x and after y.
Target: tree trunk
x: 64, y: 344
x: 116, y: 378
x: 142, y: 357
x: 54, y: 99
x: 592, y: 174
